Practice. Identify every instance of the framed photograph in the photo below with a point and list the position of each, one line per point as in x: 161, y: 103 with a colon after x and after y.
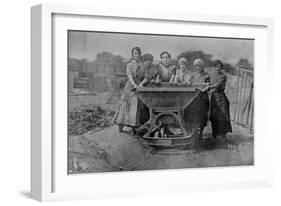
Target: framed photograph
x: 135, y: 102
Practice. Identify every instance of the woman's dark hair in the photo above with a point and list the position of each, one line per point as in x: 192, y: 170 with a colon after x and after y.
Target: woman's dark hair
x: 165, y: 52
x: 218, y: 62
x: 137, y: 49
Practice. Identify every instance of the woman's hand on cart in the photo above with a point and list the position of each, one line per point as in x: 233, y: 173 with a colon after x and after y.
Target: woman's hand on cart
x: 157, y: 81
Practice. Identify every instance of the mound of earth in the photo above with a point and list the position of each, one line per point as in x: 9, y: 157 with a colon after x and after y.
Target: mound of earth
x: 105, y: 151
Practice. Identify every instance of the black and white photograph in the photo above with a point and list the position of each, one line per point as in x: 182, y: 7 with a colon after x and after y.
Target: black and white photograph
x: 158, y: 101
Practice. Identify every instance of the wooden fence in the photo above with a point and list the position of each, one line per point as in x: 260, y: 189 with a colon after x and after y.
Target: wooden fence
x: 244, y: 101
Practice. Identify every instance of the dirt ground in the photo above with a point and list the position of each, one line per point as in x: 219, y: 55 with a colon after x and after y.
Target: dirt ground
x: 108, y: 150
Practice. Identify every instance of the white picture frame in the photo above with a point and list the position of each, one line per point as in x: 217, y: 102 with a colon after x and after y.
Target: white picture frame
x: 47, y: 180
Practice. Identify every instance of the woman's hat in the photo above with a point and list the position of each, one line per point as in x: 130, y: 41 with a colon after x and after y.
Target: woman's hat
x: 147, y: 57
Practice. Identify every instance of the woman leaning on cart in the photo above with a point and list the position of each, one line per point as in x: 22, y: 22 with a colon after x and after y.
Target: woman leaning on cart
x: 128, y: 112
x: 167, y: 71
x: 219, y: 114
x: 183, y: 75
x: 201, y: 78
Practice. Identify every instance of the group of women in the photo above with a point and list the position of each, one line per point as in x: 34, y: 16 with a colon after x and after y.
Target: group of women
x: 140, y: 71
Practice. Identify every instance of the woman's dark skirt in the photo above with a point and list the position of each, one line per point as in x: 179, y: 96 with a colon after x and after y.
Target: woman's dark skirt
x: 196, y: 114
x: 219, y: 114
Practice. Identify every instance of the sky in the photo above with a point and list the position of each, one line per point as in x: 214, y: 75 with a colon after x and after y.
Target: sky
x: 86, y: 44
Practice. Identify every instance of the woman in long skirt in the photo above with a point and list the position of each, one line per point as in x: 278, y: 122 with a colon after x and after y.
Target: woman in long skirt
x: 201, y: 78
x: 129, y: 107
x: 219, y: 114
x: 196, y: 114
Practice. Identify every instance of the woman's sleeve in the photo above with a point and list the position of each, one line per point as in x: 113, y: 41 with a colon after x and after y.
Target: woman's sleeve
x: 207, y: 79
x: 147, y: 75
x: 221, y: 83
x: 174, y: 70
x: 172, y: 79
x: 156, y: 72
x: 189, y: 79
x: 158, y: 75
x: 129, y: 69
x: 176, y: 79
x: 129, y: 73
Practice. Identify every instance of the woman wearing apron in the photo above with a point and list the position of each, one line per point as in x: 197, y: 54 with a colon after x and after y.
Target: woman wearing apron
x: 129, y: 107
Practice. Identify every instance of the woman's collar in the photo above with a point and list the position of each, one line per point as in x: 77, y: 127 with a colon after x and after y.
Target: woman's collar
x: 166, y: 66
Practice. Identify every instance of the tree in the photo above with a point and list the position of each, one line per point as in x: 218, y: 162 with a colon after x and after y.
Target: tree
x: 230, y: 69
x: 207, y: 58
x: 192, y: 55
x: 244, y: 63
x: 73, y: 64
x: 107, y: 57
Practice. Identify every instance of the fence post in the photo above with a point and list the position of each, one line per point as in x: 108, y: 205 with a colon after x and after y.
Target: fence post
x: 240, y: 100
x: 250, y: 104
x: 252, y: 109
x: 237, y: 92
x: 243, y: 95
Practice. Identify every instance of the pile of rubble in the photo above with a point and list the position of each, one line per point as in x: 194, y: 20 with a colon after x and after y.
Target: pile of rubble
x: 87, y: 118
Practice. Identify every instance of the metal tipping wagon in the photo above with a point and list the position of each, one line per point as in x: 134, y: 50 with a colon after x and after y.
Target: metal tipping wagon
x: 169, y: 110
